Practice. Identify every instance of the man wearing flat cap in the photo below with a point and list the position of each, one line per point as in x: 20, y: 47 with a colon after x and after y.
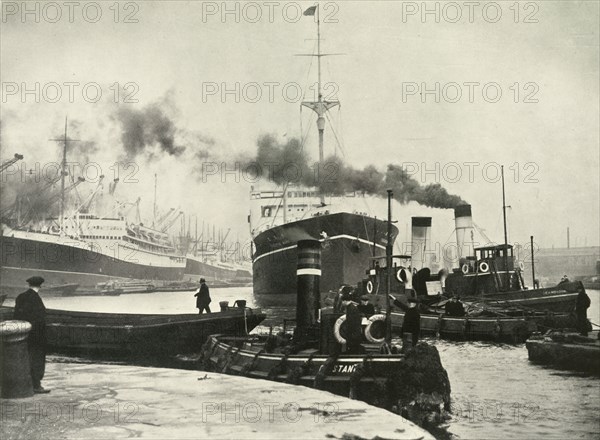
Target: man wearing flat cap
x: 30, y: 307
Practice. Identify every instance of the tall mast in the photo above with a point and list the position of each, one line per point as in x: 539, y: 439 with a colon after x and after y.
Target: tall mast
x: 388, y: 272
x: 507, y: 276
x: 63, y: 173
x: 320, y: 107
x: 154, y: 207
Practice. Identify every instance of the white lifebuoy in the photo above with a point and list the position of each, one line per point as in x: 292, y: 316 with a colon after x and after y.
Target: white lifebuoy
x: 399, y: 275
x: 484, y: 267
x: 370, y: 286
x: 521, y: 265
x: 368, y: 334
x: 465, y: 268
x: 336, y: 329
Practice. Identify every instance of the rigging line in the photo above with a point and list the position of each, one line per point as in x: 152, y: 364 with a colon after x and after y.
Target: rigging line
x: 303, y: 140
x: 280, y: 203
x: 366, y: 230
x: 341, y: 126
x: 448, y: 239
x: 480, y: 230
x: 335, y: 135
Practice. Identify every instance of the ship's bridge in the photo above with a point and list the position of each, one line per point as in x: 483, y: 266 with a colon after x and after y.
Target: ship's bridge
x: 269, y: 207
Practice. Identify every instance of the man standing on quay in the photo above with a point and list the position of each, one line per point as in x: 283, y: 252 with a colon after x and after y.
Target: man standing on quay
x: 30, y: 307
x: 203, y: 297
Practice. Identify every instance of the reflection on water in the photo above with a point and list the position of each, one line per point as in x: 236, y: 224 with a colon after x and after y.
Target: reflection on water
x: 496, y: 392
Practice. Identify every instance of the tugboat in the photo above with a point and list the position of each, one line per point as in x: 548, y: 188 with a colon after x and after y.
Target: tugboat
x: 489, y: 275
x: 507, y: 316
x: 409, y: 381
x: 492, y: 273
x: 479, y: 320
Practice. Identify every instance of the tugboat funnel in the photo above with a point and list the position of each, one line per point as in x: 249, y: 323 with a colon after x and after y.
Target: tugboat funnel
x: 308, y: 293
x: 421, y: 242
x: 464, y: 231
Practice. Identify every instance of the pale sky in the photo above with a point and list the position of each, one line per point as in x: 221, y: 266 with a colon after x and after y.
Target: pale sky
x: 178, y: 51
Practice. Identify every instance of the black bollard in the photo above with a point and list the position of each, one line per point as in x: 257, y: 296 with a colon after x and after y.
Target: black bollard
x: 14, y: 360
x: 308, y: 292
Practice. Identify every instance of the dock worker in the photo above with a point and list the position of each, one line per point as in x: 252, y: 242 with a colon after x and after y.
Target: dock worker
x: 583, y: 302
x: 365, y: 307
x: 203, y: 297
x: 454, y: 307
x: 564, y: 279
x: 411, y: 324
x: 30, y: 307
x: 353, y: 329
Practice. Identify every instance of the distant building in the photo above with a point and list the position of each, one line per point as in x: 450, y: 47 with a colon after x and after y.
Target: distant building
x: 552, y: 264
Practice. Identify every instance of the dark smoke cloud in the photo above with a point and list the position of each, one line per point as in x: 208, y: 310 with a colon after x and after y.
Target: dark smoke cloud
x: 285, y: 162
x: 145, y: 128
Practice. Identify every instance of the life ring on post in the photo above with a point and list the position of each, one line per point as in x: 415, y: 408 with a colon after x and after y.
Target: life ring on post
x: 369, y: 286
x: 336, y: 329
x: 399, y: 275
x: 465, y: 268
x: 521, y: 266
x: 373, y: 319
x: 484, y: 267
x: 402, y: 275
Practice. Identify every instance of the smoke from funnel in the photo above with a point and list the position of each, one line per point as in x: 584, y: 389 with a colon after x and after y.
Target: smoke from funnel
x: 287, y: 162
x: 146, y: 128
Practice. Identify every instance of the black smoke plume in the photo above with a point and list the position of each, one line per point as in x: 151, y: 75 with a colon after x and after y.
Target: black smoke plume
x: 288, y: 162
x: 145, y: 128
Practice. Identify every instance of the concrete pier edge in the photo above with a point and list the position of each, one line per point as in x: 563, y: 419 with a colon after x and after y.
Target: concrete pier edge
x: 114, y: 401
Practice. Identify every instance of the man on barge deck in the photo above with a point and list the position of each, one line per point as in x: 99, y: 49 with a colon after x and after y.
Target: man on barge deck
x: 203, y: 297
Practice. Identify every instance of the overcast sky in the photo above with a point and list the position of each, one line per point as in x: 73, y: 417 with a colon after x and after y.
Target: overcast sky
x: 179, y: 56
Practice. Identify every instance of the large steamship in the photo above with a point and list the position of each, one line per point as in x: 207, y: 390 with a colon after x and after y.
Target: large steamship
x: 78, y: 246
x: 281, y: 216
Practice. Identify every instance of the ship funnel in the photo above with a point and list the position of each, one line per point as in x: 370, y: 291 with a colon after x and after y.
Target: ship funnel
x: 308, y: 292
x: 464, y: 231
x: 421, y: 241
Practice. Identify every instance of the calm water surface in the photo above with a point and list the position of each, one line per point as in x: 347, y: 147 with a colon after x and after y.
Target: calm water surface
x: 496, y: 392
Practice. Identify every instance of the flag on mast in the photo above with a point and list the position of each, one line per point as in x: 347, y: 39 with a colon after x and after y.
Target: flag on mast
x: 310, y: 11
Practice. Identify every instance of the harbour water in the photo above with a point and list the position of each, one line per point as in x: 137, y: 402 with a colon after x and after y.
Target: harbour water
x: 496, y: 392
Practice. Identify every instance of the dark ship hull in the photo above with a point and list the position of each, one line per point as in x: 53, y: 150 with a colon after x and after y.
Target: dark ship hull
x: 347, y: 248
x: 62, y: 263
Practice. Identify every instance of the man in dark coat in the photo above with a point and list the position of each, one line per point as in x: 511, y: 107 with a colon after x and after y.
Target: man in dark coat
x: 365, y: 307
x: 583, y: 302
x: 412, y: 321
x: 30, y: 307
x: 203, y: 297
x: 454, y: 307
x: 353, y: 329
x: 411, y: 324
